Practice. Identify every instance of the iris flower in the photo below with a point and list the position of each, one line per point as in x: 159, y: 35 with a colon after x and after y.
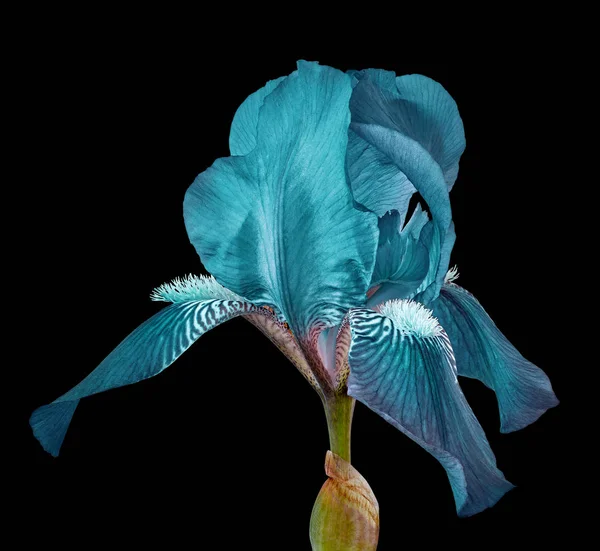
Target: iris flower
x: 305, y: 230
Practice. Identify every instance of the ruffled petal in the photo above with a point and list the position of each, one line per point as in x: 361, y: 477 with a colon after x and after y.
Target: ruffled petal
x: 431, y: 117
x: 150, y: 349
x: 402, y: 367
x: 386, y: 157
x: 278, y: 225
x: 482, y: 352
x: 242, y: 136
x: 427, y: 113
x: 377, y: 182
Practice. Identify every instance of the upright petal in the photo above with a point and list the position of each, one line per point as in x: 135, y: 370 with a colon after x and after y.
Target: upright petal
x: 439, y: 246
x: 484, y: 353
x: 402, y: 260
x: 427, y: 114
x: 242, y: 136
x: 388, y: 160
x: 278, y: 225
x: 150, y: 349
x: 431, y: 117
x: 377, y: 182
x: 402, y: 367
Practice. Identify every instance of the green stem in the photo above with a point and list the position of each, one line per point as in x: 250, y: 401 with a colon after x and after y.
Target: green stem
x: 339, y: 410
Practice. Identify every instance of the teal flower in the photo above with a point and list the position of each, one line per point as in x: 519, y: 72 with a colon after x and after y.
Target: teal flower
x: 304, y: 229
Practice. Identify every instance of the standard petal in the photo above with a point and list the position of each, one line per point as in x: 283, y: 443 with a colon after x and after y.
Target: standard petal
x: 150, y: 349
x: 484, y: 353
x: 387, y: 154
x: 377, y: 182
x: 402, y: 259
x: 425, y: 112
x: 439, y: 245
x: 431, y: 117
x: 278, y: 225
x: 242, y: 136
x: 402, y: 367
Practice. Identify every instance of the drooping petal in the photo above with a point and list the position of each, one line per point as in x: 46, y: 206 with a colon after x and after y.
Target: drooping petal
x: 387, y: 153
x: 147, y: 351
x: 484, y: 353
x: 278, y: 225
x: 242, y: 136
x: 402, y: 367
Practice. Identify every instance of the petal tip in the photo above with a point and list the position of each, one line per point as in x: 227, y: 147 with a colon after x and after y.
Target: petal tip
x: 513, y: 424
x: 50, y: 423
x: 469, y: 507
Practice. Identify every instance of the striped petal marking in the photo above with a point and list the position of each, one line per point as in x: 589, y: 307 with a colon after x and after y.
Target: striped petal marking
x: 146, y: 352
x: 200, y: 304
x: 402, y: 367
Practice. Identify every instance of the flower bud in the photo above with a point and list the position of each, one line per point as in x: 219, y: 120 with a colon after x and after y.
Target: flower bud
x: 345, y: 516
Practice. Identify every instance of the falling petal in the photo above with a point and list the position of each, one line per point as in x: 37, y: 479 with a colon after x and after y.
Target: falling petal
x: 402, y: 367
x: 482, y: 352
x: 147, y: 351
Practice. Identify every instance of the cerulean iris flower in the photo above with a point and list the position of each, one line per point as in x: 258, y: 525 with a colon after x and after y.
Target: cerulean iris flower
x: 305, y: 230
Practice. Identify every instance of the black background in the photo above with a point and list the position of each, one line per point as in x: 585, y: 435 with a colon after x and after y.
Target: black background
x: 230, y: 441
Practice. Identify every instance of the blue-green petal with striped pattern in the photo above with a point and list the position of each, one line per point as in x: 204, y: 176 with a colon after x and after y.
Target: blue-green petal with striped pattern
x: 409, y: 379
x: 392, y: 159
x: 242, y: 136
x: 482, y: 352
x: 278, y: 225
x: 147, y: 351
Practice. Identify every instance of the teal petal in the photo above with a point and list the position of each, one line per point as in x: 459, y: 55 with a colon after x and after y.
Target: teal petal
x: 387, y: 158
x: 377, y: 182
x: 242, y: 136
x: 380, y: 77
x: 278, y: 225
x: 482, y: 352
x: 150, y: 349
x: 431, y: 117
x: 439, y: 246
x: 402, y: 367
x: 425, y: 112
x: 402, y: 259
